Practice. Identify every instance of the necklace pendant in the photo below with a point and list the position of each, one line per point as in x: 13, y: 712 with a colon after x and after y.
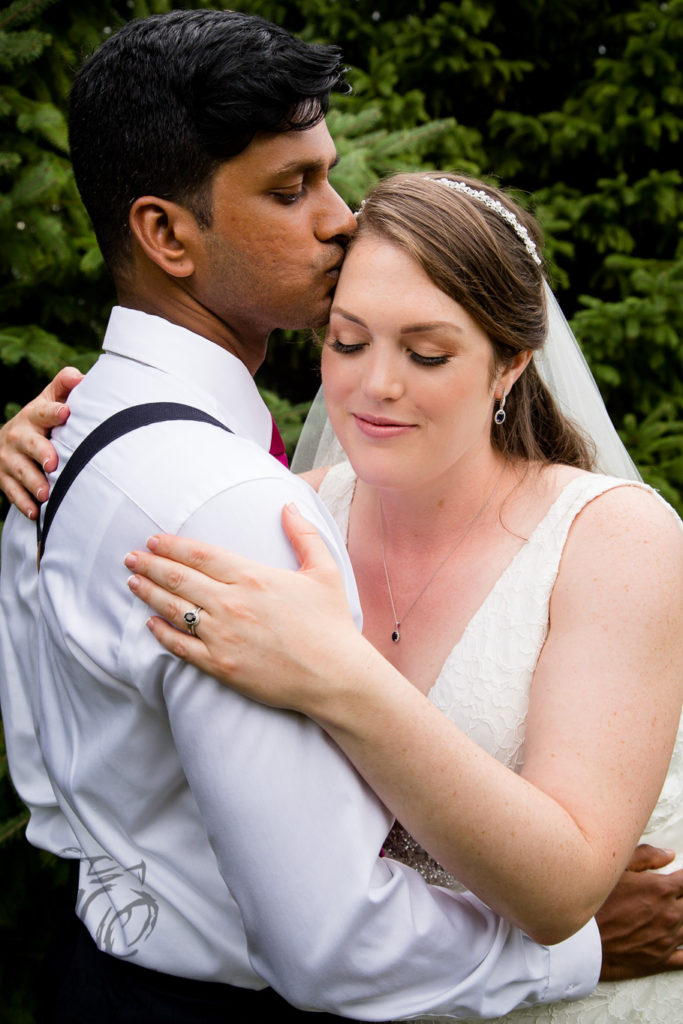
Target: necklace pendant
x: 396, y: 636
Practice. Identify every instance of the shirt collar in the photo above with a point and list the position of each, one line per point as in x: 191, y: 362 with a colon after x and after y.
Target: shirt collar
x: 228, y: 388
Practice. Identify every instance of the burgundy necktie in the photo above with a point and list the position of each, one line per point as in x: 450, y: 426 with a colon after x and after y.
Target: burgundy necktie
x: 277, y: 445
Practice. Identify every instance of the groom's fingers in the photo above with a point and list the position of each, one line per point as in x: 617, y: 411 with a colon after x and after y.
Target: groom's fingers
x: 646, y: 857
x: 675, y: 961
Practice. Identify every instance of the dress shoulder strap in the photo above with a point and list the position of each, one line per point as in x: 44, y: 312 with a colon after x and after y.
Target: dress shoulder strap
x: 545, y: 546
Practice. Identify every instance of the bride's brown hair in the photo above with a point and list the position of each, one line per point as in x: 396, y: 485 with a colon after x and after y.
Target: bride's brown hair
x: 473, y: 255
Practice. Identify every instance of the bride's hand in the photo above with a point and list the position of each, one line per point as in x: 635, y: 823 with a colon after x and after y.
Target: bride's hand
x: 271, y: 633
x: 25, y: 446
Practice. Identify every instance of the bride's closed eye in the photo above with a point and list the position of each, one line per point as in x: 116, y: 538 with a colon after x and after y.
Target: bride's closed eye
x: 428, y: 360
x: 345, y: 348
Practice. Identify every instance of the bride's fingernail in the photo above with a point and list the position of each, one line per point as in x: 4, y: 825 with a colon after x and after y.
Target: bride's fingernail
x: 131, y: 560
x: 133, y: 582
x: 291, y: 508
x: 152, y: 543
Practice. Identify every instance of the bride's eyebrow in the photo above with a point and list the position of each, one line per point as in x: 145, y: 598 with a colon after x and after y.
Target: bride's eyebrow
x: 338, y: 311
x: 432, y: 325
x: 423, y: 328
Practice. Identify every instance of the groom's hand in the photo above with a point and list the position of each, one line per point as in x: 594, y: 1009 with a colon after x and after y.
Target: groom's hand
x: 641, y: 921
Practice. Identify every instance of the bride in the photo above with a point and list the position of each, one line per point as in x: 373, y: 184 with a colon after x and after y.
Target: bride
x: 535, y: 605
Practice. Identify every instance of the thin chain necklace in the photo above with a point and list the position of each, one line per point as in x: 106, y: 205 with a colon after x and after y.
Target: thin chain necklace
x: 396, y: 634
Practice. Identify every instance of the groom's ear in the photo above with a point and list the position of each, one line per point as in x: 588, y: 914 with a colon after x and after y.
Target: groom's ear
x: 166, y: 232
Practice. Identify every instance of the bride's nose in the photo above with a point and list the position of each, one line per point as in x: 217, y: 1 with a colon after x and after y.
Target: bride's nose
x: 382, y: 378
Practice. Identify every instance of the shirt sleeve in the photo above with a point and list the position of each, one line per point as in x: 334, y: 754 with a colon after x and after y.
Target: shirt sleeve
x: 296, y: 832
x: 19, y: 698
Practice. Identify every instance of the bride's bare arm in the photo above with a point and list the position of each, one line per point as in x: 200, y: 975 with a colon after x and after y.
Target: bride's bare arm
x: 26, y: 452
x: 543, y: 848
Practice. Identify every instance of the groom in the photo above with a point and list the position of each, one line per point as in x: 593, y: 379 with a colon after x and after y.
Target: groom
x: 227, y: 851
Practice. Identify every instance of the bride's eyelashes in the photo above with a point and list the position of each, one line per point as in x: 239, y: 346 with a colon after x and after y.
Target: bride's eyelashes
x: 349, y: 349
x: 338, y: 346
x: 429, y: 360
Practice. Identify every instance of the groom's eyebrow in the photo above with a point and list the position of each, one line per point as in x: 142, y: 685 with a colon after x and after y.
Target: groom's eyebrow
x: 306, y: 166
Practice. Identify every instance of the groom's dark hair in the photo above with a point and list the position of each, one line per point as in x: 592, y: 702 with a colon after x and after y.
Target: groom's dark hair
x: 167, y: 99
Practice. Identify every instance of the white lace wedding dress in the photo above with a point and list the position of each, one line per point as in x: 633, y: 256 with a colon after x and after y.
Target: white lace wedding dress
x: 483, y: 687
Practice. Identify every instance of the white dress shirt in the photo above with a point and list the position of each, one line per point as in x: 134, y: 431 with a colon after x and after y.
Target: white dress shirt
x: 219, y: 839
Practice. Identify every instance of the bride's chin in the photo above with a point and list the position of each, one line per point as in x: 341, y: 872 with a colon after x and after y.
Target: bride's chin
x: 379, y: 469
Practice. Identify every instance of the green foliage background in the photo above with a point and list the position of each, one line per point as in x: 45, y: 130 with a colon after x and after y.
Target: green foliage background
x: 578, y: 105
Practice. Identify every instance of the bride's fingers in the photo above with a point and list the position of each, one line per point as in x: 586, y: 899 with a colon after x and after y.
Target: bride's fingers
x: 182, y: 645
x: 213, y: 648
x: 169, y: 605
x: 19, y: 496
x: 207, y: 559
x: 61, y: 385
x: 168, y: 586
x: 309, y: 547
x: 23, y: 450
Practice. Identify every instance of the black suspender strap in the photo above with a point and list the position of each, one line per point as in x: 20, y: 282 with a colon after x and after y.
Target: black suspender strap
x: 116, y: 426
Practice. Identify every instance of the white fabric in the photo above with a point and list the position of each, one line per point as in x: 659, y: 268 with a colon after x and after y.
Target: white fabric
x: 563, y: 367
x: 219, y: 839
x: 317, y: 444
x: 483, y: 687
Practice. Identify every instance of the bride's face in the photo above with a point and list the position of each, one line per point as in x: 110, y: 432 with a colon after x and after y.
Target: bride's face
x: 406, y: 371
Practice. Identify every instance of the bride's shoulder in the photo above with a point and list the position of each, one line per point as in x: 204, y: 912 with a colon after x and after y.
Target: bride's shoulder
x: 339, y: 480
x: 630, y: 525
x: 623, y: 555
x: 315, y: 477
x: 605, y: 506
x: 641, y: 506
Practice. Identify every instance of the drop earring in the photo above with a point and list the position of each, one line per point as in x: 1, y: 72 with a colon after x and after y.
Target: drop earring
x: 499, y: 416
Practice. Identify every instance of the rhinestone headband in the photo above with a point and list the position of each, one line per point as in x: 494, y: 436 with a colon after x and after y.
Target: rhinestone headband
x: 502, y: 211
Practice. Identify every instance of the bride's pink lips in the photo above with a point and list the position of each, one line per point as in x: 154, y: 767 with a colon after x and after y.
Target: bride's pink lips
x: 380, y: 426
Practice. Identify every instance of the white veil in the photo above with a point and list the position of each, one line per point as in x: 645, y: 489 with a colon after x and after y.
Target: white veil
x: 562, y: 366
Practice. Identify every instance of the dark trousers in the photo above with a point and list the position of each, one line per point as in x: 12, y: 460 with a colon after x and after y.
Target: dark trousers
x: 85, y: 986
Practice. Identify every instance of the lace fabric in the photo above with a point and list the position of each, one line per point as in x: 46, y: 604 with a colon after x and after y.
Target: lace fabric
x: 483, y: 687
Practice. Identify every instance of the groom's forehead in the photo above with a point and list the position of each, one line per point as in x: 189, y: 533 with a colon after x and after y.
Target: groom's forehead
x: 286, y: 154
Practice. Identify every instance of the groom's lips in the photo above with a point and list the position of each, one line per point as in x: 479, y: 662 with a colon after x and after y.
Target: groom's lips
x: 333, y: 270
x: 335, y: 265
